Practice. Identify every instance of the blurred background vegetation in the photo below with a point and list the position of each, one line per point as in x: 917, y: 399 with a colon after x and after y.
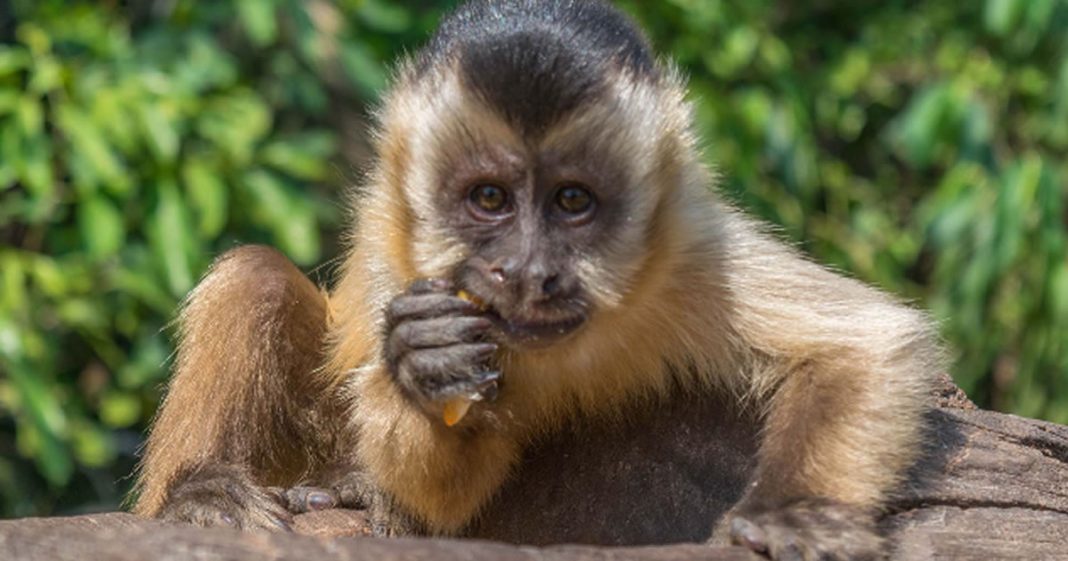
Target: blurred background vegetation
x: 921, y: 146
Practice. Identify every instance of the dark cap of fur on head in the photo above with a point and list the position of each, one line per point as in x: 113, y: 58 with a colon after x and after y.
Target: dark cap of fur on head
x: 534, y: 61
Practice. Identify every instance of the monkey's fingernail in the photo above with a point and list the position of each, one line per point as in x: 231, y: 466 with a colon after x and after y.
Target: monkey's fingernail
x: 227, y: 520
x: 488, y: 378
x: 745, y: 533
x: 488, y: 386
x: 320, y: 501
x: 281, y: 524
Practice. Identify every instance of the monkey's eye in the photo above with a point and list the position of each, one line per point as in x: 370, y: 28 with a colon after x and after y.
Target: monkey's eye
x: 574, y: 199
x: 489, y: 198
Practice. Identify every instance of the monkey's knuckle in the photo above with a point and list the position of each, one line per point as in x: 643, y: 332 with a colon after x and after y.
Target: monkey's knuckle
x: 402, y: 336
x: 396, y: 309
x: 428, y: 285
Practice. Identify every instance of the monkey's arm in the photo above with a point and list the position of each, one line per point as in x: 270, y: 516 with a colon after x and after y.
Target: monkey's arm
x: 843, y: 372
x: 244, y: 405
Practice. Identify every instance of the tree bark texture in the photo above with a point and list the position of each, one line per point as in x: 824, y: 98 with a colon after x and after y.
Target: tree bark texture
x: 990, y: 486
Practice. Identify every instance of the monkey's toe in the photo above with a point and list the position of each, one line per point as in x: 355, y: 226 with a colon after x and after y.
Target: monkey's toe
x: 298, y: 500
x: 809, y: 531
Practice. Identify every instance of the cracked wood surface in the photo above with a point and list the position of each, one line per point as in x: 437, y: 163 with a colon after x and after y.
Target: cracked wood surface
x: 990, y: 486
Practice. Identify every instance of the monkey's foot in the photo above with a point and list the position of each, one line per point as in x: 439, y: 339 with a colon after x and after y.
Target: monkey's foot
x: 221, y: 495
x: 806, y: 531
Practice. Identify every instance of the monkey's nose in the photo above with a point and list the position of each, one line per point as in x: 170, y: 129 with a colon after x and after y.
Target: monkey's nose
x: 537, y: 283
x: 550, y: 287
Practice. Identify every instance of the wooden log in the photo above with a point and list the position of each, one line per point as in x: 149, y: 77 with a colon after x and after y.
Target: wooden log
x: 990, y: 486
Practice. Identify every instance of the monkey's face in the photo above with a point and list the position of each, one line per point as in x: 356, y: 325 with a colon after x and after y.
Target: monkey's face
x: 545, y: 229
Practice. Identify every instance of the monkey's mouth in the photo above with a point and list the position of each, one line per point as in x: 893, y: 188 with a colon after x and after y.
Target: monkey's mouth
x: 535, y: 332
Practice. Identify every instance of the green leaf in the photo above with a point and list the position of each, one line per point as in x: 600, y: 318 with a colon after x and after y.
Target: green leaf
x: 160, y: 131
x: 363, y: 69
x: 46, y: 75
x: 208, y: 195
x: 44, y: 426
x: 384, y: 16
x: 919, y: 129
x: 50, y: 277
x: 291, y: 219
x: 93, y: 446
x: 304, y: 156
x: 102, y: 227
x: 12, y: 281
x: 171, y: 238
x: 235, y: 123
x: 258, y: 19
x: 13, y: 59
x: 101, y: 166
x: 120, y: 410
x: 1001, y: 16
x: 36, y: 172
x: 146, y: 364
x: 145, y: 288
x: 29, y: 116
x: 9, y: 101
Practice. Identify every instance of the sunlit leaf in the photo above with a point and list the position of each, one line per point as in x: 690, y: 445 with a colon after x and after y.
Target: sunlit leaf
x: 160, y: 131
x: 208, y: 195
x: 384, y: 16
x: 171, y: 237
x: 258, y: 19
x: 1002, y: 16
x: 101, y: 225
x: 120, y: 410
x: 291, y: 218
x: 92, y: 445
x: 13, y: 59
x: 304, y: 156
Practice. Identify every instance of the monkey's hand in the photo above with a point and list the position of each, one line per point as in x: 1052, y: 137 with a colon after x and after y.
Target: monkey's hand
x: 806, y: 530
x: 437, y: 346
x: 224, y: 495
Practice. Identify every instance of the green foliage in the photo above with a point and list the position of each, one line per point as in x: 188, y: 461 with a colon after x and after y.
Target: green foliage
x: 919, y: 146
x: 135, y: 145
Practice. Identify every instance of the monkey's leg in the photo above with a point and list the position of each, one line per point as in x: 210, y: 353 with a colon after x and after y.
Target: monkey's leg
x: 244, y: 410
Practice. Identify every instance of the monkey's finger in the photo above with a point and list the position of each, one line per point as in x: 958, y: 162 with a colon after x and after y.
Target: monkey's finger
x: 484, y: 385
x: 428, y: 286
x: 299, y: 500
x: 438, y: 332
x: 434, y: 373
x: 448, y: 364
x: 426, y: 306
x: 265, y: 512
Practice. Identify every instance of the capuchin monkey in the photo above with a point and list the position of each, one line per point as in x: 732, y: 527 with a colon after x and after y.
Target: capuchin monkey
x: 538, y: 241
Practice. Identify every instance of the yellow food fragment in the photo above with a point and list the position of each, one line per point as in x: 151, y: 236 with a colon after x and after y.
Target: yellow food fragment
x: 455, y: 410
x: 465, y: 295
